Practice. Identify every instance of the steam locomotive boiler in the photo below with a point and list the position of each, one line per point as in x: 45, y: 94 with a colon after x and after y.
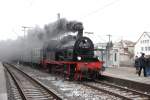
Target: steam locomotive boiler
x: 74, y: 57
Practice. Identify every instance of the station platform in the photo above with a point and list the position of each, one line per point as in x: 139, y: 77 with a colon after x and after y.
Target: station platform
x: 3, y: 89
x: 128, y: 73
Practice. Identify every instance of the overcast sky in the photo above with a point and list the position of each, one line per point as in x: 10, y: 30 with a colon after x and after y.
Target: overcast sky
x: 123, y: 19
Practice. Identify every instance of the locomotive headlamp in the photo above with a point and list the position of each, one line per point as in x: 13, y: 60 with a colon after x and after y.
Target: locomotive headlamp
x: 79, y: 58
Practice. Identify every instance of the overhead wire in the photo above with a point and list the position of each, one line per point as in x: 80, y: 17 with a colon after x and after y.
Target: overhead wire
x: 99, y: 9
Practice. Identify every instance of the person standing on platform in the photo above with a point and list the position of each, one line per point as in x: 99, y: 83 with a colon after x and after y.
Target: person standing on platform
x: 136, y: 64
x: 148, y: 66
x: 142, y: 63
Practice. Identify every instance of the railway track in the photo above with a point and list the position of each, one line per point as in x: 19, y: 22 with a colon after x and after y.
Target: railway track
x: 70, y: 90
x: 118, y: 91
x: 98, y: 88
x: 29, y: 88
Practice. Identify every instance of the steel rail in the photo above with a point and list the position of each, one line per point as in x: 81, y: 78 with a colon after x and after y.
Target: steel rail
x: 17, y: 85
x: 123, y: 88
x: 106, y: 91
x: 56, y: 97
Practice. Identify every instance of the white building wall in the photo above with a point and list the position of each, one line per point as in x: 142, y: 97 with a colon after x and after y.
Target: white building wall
x: 125, y: 60
x: 115, y: 58
x: 143, y: 45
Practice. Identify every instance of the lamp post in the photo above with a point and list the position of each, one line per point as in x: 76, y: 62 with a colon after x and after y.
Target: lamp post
x: 108, y: 51
x: 25, y: 28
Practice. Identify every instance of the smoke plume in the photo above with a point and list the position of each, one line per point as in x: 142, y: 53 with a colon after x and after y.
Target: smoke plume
x: 52, y: 34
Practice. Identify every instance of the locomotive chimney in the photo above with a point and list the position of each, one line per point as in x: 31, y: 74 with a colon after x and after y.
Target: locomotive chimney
x: 79, y: 28
x: 76, y: 27
x: 80, y: 33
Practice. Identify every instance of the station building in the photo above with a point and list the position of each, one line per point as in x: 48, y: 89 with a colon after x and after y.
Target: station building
x: 119, y: 54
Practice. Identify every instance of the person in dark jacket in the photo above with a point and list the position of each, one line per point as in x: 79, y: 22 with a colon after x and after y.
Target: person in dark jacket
x: 136, y: 64
x: 142, y: 62
x: 148, y: 66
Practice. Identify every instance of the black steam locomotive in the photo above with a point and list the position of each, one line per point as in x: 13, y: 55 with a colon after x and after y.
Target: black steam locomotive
x: 74, y: 57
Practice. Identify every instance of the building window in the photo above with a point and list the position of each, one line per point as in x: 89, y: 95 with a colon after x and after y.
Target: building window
x: 142, y: 49
x: 148, y: 48
x: 145, y: 48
